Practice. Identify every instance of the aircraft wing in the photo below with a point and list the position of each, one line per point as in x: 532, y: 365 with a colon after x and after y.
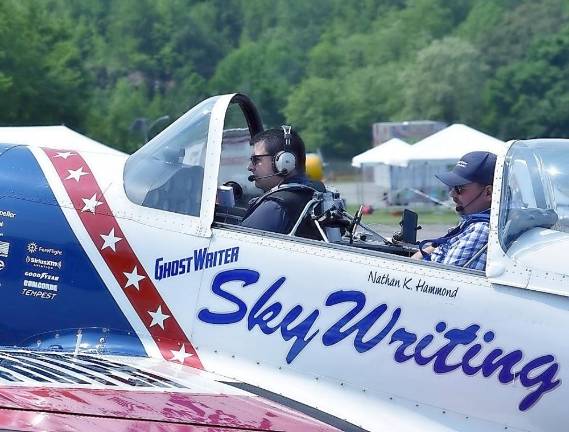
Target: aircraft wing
x: 59, y: 137
x: 56, y: 391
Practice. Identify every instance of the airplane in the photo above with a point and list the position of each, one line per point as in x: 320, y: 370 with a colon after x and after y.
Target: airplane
x: 133, y: 300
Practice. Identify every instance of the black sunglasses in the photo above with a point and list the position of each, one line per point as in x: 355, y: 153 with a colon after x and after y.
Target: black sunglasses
x: 458, y: 189
x: 255, y: 159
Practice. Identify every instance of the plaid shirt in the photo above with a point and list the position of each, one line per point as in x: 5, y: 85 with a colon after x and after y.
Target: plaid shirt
x: 461, y: 248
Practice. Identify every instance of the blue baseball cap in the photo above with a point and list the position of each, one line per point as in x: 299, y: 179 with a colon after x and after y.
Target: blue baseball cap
x: 473, y: 167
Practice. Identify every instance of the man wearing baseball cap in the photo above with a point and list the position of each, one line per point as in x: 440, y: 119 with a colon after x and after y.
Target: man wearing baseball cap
x: 470, y: 183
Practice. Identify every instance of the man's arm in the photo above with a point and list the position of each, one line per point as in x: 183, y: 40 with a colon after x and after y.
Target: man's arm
x: 268, y: 216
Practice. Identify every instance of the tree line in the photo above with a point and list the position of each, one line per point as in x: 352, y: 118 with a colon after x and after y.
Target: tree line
x: 329, y: 67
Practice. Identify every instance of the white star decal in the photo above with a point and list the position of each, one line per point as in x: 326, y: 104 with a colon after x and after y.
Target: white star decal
x: 111, y: 241
x: 64, y: 155
x: 76, y: 174
x: 158, y: 317
x: 91, y: 203
x: 133, y: 278
x: 181, y: 355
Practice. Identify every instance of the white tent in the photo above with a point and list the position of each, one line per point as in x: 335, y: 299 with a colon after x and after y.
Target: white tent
x: 440, y: 152
x: 384, y: 163
x: 393, y: 152
x: 453, y: 142
x: 58, y: 137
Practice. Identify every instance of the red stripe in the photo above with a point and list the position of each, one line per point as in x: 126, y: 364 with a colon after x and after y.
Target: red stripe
x: 144, y: 300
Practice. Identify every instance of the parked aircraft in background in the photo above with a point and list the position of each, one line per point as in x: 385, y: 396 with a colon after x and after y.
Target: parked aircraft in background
x: 133, y: 299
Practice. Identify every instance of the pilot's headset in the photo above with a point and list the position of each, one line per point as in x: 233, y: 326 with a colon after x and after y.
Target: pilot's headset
x: 284, y: 161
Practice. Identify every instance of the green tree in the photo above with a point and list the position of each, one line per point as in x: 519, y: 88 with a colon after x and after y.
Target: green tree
x: 508, y: 39
x: 331, y: 67
x: 445, y: 83
x: 41, y: 76
x: 531, y: 98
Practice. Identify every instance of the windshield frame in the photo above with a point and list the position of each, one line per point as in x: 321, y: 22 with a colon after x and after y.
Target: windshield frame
x: 539, y: 182
x: 199, y: 224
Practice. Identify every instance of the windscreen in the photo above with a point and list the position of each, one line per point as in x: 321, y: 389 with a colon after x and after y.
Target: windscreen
x: 536, y: 189
x: 167, y: 173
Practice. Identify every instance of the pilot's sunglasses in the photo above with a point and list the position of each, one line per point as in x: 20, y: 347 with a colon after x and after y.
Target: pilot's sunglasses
x: 458, y: 189
x: 255, y: 159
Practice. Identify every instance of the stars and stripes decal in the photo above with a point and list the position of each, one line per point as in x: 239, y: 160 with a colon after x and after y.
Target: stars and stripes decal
x: 103, y: 228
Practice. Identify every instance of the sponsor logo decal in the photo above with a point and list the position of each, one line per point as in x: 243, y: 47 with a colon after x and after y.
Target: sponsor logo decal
x: 8, y: 214
x: 40, y: 289
x: 34, y: 247
x: 45, y: 295
x: 42, y: 276
x: 40, y: 285
x: 446, y: 349
x: 43, y: 263
x: 4, y: 249
x: 200, y: 260
x: 2, y: 265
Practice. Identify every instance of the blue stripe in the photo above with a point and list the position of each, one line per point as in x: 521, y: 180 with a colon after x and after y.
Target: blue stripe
x: 30, y: 215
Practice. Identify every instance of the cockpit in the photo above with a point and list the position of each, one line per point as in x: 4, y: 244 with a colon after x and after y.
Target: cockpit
x: 197, y: 168
x: 200, y: 162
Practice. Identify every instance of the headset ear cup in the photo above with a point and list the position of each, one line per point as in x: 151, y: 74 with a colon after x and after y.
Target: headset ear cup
x: 284, y: 162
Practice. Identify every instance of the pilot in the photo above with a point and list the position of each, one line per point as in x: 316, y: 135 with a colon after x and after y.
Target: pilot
x: 278, y: 167
x: 470, y: 183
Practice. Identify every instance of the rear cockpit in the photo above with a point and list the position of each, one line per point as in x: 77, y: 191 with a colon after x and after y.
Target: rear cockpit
x: 533, y: 223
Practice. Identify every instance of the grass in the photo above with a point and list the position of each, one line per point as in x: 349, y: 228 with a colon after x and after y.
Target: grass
x: 392, y: 216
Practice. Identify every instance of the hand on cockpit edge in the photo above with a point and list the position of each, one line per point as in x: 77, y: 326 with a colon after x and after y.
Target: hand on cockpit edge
x: 419, y: 256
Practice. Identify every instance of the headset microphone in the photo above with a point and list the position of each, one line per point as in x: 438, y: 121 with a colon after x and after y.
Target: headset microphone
x: 252, y: 178
x: 460, y: 208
